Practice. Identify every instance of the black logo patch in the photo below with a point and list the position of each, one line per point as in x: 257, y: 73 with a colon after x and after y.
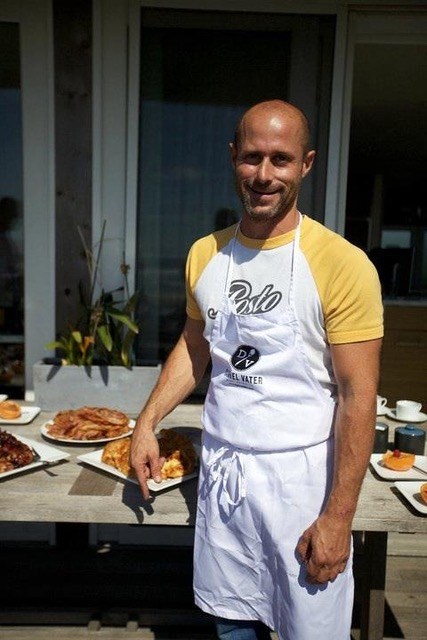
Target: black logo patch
x: 244, y: 357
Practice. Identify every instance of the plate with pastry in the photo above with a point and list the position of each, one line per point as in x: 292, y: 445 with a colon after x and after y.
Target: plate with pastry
x: 181, y: 459
x: 19, y: 454
x: 397, y: 465
x: 13, y: 413
x: 88, y: 425
x: 415, y: 493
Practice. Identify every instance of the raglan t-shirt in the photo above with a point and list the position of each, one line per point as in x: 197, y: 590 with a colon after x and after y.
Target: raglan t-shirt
x: 337, y: 292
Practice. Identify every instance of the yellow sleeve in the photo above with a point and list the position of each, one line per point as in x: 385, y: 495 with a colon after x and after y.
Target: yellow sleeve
x: 199, y: 256
x: 348, y: 286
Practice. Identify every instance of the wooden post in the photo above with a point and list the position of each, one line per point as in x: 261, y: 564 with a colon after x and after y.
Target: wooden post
x: 373, y: 585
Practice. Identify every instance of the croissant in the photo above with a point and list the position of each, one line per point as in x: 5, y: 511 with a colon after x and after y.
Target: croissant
x: 9, y: 410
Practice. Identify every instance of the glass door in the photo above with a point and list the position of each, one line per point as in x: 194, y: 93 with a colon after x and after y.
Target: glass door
x: 386, y: 210
x: 11, y: 215
x: 199, y: 72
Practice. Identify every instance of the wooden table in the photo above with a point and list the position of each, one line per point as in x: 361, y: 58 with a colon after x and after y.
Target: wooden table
x: 73, y: 492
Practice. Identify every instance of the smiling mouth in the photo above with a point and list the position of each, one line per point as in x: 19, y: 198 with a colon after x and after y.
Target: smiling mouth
x: 262, y: 193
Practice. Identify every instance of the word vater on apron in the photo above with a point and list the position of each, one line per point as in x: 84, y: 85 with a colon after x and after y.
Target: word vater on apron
x: 265, y: 473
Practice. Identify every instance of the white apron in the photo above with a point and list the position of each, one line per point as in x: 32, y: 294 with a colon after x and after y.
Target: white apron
x: 265, y: 473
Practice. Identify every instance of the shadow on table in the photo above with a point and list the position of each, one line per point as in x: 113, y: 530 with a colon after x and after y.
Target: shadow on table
x: 132, y: 497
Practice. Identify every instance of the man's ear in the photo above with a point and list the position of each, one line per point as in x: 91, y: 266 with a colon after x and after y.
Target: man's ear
x: 233, y: 152
x: 307, y: 163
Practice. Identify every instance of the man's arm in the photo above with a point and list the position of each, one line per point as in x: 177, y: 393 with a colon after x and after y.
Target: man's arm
x: 180, y: 374
x: 325, y: 545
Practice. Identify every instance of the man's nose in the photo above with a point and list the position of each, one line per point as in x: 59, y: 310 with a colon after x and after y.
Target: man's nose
x: 265, y: 171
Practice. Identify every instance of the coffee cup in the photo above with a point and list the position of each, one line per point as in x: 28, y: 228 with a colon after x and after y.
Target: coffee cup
x: 407, y: 409
x: 381, y: 403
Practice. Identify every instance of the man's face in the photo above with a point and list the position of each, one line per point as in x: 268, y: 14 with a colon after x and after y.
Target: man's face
x: 270, y: 164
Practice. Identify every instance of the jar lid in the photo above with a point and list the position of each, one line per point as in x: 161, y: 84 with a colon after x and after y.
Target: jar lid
x: 411, y: 430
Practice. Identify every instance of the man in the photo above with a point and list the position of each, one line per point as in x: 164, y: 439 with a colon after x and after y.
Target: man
x: 291, y: 316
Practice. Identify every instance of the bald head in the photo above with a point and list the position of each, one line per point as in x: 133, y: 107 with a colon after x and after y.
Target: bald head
x: 276, y: 112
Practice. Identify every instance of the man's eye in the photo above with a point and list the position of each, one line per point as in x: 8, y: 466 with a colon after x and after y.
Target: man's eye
x: 281, y: 159
x: 251, y: 158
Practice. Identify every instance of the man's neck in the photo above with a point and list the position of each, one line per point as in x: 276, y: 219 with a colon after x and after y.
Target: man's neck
x: 258, y: 230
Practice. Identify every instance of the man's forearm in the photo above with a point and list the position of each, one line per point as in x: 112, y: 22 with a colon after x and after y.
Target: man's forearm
x: 356, y: 369
x: 354, y: 436
x: 177, y: 380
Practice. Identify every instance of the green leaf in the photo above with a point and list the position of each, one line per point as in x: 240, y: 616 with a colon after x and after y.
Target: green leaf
x: 77, y: 336
x: 56, y: 345
x: 105, y: 335
x: 131, y: 304
x: 126, y: 349
x: 123, y: 318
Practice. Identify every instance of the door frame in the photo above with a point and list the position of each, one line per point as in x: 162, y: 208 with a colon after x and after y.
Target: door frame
x: 36, y: 56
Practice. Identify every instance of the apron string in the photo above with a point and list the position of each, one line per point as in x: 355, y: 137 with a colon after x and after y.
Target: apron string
x: 295, y: 248
x: 230, y: 264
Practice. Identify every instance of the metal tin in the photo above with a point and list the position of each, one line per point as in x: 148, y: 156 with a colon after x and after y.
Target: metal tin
x: 381, y: 438
x: 410, y: 439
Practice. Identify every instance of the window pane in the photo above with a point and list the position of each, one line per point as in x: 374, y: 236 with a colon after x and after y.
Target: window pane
x: 195, y: 84
x: 199, y: 72
x: 11, y: 214
x: 386, y: 193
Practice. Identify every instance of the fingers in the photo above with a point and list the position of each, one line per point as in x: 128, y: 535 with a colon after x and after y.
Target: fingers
x: 320, y: 567
x: 145, y: 459
x: 146, y: 470
x: 303, y: 548
x: 320, y: 573
x: 143, y: 473
x: 156, y: 465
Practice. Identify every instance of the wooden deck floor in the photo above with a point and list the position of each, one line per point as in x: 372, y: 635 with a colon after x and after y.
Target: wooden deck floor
x: 74, y: 613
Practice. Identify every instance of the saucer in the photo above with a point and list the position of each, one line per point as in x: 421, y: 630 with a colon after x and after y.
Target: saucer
x: 391, y: 413
x: 383, y: 411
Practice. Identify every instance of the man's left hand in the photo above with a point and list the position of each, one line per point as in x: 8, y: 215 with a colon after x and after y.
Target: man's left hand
x: 325, y: 548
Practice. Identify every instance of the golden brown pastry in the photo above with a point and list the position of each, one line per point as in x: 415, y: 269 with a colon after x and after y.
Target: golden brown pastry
x: 9, y: 410
x: 423, y: 492
x: 178, y: 451
x: 116, y: 454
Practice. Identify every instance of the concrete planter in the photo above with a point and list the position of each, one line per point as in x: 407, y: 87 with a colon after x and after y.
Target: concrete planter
x: 59, y: 387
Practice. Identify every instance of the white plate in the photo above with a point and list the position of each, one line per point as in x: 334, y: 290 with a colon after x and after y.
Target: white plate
x: 389, y: 474
x: 3, y: 397
x: 27, y: 415
x: 49, y: 455
x: 94, y: 460
x: 411, y: 491
x: 44, y: 431
x: 391, y: 413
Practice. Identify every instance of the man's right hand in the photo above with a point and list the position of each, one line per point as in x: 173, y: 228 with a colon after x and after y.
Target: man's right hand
x: 145, y: 458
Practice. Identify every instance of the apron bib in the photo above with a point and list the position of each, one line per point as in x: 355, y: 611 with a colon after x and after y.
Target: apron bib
x: 265, y: 473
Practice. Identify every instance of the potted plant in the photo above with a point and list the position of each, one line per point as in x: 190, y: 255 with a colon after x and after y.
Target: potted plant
x: 95, y: 363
